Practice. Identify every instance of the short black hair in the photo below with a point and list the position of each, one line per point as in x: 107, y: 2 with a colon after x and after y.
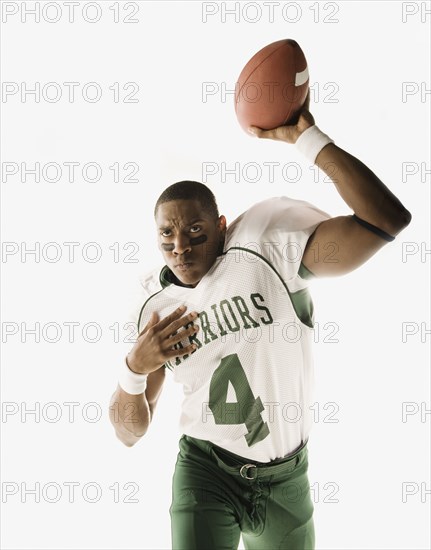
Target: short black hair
x: 190, y: 190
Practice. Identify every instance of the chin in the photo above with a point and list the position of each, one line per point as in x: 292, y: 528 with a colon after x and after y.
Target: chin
x: 188, y: 278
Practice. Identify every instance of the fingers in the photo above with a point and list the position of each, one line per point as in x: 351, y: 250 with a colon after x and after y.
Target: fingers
x: 254, y: 130
x: 153, y: 319
x: 170, y: 337
x: 266, y: 134
x: 175, y: 325
x: 176, y: 314
x: 180, y: 352
x: 181, y: 335
x: 167, y: 328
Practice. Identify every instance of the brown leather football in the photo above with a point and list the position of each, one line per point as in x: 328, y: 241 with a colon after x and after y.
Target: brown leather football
x: 272, y: 87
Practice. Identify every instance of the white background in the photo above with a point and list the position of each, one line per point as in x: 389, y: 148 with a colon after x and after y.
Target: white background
x: 362, y: 365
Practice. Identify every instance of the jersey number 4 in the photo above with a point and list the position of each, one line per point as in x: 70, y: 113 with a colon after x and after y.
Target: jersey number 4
x: 246, y: 410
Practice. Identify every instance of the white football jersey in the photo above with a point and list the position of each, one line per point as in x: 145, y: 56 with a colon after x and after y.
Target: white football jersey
x: 247, y: 387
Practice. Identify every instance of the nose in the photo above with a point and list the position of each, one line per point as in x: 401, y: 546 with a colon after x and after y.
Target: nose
x: 181, y: 245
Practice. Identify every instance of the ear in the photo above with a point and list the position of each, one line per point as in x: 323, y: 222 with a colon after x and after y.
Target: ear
x: 221, y: 223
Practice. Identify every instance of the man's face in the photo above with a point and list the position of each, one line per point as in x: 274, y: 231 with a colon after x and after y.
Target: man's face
x: 188, y: 238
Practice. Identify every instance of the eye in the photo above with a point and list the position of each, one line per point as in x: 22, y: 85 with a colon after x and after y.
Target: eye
x: 195, y: 228
x: 165, y: 233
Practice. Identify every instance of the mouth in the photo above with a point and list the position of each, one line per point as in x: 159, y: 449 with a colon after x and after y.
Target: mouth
x: 185, y: 266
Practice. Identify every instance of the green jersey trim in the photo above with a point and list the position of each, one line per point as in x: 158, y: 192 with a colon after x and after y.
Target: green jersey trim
x: 305, y: 273
x: 164, y: 277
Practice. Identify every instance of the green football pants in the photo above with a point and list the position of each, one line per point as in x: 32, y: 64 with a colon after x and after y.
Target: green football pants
x: 217, y: 496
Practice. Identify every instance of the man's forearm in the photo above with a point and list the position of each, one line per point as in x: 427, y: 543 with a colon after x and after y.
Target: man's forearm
x: 362, y: 190
x: 130, y: 415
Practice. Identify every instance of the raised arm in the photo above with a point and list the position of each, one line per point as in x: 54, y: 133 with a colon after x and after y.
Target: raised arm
x: 371, y: 201
x: 379, y: 214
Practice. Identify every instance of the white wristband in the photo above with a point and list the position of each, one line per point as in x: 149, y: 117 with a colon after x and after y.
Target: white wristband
x: 311, y: 142
x: 132, y: 382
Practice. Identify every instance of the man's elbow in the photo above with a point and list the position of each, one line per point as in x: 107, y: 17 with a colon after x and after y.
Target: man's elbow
x: 128, y: 438
x: 403, y: 219
x: 398, y: 221
x: 407, y: 217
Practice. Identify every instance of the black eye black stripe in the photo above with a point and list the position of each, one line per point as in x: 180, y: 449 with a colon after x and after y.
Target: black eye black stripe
x: 198, y: 240
x: 194, y: 241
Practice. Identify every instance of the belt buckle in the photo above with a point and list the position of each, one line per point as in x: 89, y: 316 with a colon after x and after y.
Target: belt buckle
x: 244, y: 473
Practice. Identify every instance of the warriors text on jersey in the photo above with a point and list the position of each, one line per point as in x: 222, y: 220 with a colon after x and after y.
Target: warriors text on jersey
x: 247, y: 386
